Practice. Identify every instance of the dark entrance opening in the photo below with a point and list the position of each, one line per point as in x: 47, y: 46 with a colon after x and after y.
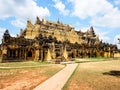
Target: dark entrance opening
x: 72, y: 54
x: 29, y: 54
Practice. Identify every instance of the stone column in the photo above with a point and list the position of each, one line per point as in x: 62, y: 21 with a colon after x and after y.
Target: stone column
x: 12, y: 53
x: 16, y: 51
x: 65, y: 54
x: 42, y: 58
x: 20, y: 53
x: 37, y: 54
x: 8, y: 53
x: 4, y: 54
x: 48, y: 58
x: 25, y: 54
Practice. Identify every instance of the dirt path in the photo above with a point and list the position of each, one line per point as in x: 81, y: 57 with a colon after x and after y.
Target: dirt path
x: 58, y: 80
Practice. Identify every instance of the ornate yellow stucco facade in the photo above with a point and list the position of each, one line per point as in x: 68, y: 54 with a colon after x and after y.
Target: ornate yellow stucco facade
x: 53, y: 41
x: 61, y: 31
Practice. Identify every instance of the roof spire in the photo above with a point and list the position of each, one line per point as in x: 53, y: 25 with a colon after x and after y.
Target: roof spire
x: 29, y: 24
x: 58, y: 21
x: 37, y: 20
x: 91, y: 31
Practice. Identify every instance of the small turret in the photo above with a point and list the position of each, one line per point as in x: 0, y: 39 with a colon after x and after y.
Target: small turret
x: 58, y: 21
x: 6, y: 36
x: 29, y: 24
x: 37, y: 20
x: 91, y: 31
x: 22, y: 33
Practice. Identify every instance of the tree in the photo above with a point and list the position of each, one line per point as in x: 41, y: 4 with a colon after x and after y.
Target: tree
x: 118, y: 40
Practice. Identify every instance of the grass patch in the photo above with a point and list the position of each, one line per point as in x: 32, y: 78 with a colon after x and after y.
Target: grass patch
x: 27, y: 64
x: 95, y: 76
x: 94, y: 59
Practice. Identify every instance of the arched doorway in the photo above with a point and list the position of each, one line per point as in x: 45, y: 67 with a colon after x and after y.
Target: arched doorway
x: 30, y: 54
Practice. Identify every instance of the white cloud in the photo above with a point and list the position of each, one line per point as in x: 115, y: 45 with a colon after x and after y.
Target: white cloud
x: 18, y: 23
x: 87, y: 8
x: 84, y: 29
x: 103, y: 37
x: 101, y: 12
x: 21, y: 9
x: 2, y: 30
x: 111, y: 20
x: 61, y: 7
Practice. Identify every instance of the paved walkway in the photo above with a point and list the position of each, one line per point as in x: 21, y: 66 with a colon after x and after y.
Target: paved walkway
x: 58, y: 80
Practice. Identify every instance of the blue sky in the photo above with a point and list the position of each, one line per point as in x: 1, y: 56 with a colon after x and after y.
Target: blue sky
x: 103, y: 15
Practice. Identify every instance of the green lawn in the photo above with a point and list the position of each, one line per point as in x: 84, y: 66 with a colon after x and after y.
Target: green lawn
x: 13, y: 65
x: 104, y: 75
x: 94, y: 59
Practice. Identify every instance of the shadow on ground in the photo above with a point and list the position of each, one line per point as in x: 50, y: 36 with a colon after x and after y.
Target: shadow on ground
x: 113, y: 73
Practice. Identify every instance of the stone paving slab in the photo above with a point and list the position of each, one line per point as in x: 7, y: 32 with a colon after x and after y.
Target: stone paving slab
x: 57, y: 81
